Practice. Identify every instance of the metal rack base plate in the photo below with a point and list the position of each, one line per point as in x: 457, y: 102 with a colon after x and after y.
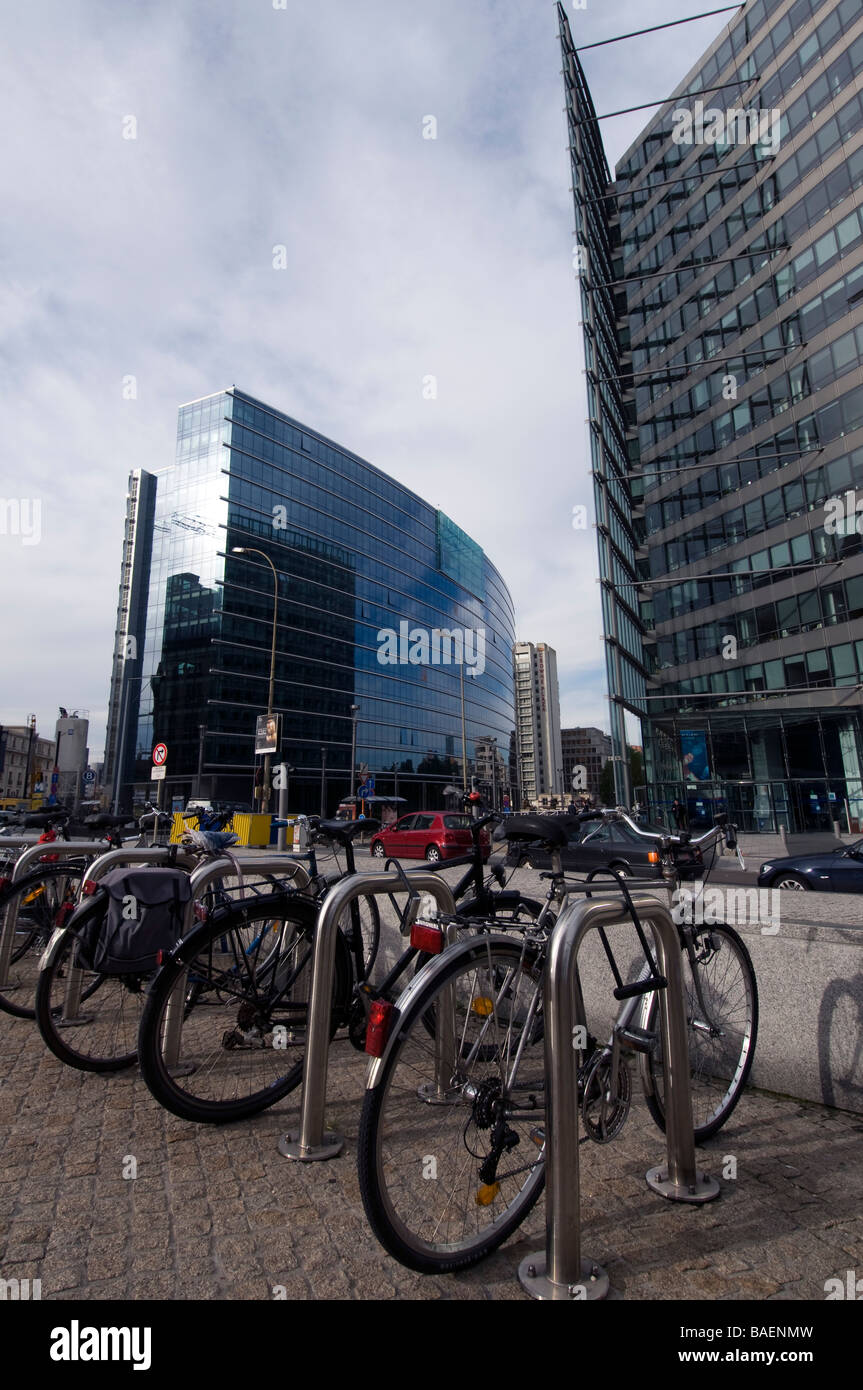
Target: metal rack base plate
x: 535, y: 1281
x: 659, y: 1181
x: 330, y: 1147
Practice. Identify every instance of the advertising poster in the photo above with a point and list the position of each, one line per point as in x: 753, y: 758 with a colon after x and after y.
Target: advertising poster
x: 693, y: 752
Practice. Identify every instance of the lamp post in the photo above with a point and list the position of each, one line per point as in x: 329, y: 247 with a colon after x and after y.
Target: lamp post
x: 355, y: 709
x: 248, y: 550
x: 202, y: 734
x: 463, y: 737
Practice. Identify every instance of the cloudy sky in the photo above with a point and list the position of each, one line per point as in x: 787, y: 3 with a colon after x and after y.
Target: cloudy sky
x: 152, y: 257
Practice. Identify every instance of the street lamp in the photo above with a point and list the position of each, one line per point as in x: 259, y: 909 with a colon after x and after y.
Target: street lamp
x: 355, y: 709
x: 248, y: 550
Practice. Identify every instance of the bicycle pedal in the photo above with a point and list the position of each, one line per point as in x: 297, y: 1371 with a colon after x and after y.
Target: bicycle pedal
x: 638, y: 1039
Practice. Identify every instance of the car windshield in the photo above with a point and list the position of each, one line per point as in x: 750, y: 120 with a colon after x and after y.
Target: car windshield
x: 855, y: 848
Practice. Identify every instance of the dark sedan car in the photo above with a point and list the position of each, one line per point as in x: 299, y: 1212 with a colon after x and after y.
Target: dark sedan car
x: 836, y: 871
x: 604, y: 844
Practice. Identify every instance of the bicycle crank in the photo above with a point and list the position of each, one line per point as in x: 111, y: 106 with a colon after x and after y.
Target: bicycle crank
x: 606, y: 1097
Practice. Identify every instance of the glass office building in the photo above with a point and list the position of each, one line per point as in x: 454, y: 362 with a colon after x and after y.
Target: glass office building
x: 723, y: 293
x: 367, y: 573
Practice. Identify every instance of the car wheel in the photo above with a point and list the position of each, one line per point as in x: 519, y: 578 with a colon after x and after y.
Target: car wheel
x: 793, y: 882
x: 433, y: 855
x: 378, y: 849
x: 623, y: 869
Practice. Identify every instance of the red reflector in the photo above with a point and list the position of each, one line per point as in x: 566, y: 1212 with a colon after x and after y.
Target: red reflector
x: 4, y: 884
x: 159, y: 955
x: 91, y: 886
x: 427, y: 938
x: 64, y: 913
x: 378, y: 1027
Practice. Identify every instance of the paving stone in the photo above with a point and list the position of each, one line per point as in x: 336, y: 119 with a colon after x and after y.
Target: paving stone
x: 218, y: 1213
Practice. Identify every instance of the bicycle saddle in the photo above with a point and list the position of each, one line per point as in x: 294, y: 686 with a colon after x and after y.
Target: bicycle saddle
x: 551, y: 830
x: 343, y: 831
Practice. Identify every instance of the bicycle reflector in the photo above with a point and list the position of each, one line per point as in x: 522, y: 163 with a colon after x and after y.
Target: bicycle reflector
x: 91, y: 886
x: 63, y: 914
x: 428, y: 938
x: 378, y: 1027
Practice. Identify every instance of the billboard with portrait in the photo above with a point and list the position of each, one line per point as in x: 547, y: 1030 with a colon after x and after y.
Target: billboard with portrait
x: 267, y: 733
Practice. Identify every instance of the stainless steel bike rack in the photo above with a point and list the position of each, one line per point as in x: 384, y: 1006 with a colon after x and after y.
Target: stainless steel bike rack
x: 209, y: 871
x: 309, y: 1143
x: 559, y: 1271
x: 57, y: 849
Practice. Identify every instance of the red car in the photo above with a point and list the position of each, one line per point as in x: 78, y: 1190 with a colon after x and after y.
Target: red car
x: 431, y: 835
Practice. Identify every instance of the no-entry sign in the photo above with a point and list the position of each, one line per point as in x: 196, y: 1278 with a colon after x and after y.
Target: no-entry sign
x: 160, y: 754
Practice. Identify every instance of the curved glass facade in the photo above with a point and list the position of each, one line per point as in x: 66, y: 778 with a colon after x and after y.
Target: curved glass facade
x: 383, y: 603
x: 735, y: 228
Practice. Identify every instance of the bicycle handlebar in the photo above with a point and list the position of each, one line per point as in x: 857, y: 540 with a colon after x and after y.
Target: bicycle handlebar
x: 618, y: 813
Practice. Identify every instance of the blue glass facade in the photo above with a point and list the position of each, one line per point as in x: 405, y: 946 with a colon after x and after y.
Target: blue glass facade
x: 356, y: 555
x: 725, y: 284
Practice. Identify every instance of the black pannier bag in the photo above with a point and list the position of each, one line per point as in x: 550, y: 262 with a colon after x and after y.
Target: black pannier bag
x: 142, y: 918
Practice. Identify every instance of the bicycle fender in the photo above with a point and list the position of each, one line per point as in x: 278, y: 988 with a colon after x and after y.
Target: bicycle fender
x: 462, y: 950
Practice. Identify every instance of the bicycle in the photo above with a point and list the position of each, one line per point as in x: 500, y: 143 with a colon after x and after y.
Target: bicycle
x: 452, y: 1134
x: 242, y: 981
x: 103, y: 1037
x: 37, y: 903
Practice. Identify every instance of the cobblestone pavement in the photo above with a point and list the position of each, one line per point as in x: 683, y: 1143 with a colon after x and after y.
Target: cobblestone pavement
x: 218, y: 1213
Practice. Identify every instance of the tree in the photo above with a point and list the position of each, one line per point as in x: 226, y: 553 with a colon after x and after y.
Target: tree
x: 636, y: 768
x: 606, y: 785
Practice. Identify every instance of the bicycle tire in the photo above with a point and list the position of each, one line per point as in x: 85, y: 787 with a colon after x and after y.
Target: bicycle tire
x: 415, y: 1206
x: 719, y: 1068
x: 40, y: 897
x: 104, y: 1037
x: 228, y: 1013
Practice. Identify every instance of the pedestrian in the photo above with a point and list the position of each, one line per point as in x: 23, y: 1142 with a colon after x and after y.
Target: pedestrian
x: 678, y: 811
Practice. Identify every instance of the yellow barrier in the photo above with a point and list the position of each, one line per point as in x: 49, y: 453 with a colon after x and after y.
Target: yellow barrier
x: 251, y: 829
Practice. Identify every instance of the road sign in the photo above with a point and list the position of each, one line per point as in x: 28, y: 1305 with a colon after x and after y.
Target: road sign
x: 89, y: 776
x: 157, y: 774
x: 160, y: 755
x: 368, y: 788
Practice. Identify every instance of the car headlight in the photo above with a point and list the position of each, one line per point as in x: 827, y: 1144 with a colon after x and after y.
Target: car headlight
x: 765, y: 868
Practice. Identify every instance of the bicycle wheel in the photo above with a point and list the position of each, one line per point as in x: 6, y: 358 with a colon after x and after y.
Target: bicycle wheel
x: 370, y: 929
x: 37, y: 903
x: 722, y: 1045
x: 223, y: 1030
x: 448, y: 1172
